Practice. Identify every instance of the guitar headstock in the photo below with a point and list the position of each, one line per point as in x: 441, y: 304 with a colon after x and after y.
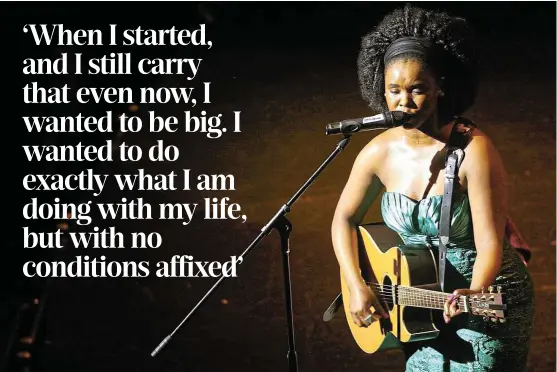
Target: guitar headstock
x: 489, y: 305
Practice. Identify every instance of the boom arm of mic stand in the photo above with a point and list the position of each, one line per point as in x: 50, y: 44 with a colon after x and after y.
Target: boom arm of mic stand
x: 266, y: 230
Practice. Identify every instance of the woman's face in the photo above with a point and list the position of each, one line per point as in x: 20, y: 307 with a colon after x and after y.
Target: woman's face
x: 412, y: 89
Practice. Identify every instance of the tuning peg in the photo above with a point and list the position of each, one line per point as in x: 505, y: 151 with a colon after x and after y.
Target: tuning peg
x: 499, y: 289
x: 502, y: 320
x: 494, y: 320
x: 490, y: 289
x: 486, y: 318
x: 482, y: 289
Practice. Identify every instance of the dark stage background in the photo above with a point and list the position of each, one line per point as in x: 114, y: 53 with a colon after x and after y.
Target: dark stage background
x: 290, y: 68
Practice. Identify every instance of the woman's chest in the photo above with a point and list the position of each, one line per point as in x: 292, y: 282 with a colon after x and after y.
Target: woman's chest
x: 416, y: 174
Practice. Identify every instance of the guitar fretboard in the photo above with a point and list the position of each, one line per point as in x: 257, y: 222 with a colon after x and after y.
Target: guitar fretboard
x: 419, y: 297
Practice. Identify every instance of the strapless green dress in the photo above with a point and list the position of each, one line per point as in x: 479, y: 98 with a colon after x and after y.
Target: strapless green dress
x: 467, y: 343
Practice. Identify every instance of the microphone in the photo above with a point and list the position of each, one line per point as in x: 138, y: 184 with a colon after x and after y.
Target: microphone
x: 386, y: 120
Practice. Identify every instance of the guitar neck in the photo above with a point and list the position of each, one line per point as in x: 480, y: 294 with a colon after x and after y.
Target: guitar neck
x: 419, y: 297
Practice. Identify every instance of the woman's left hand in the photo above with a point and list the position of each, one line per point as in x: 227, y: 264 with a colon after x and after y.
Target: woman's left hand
x: 451, y: 309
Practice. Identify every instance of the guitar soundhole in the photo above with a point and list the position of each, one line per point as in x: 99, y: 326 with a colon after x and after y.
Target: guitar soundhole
x: 387, y: 293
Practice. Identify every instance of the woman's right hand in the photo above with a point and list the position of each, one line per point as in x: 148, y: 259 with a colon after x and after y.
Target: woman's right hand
x: 362, y: 298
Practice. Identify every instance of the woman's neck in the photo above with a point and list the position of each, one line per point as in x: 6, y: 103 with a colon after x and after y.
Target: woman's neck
x: 429, y: 133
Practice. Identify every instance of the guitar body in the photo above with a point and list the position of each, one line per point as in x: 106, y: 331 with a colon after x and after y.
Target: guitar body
x: 383, y: 256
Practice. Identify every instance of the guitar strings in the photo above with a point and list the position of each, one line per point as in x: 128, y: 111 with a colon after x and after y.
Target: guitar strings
x: 386, y: 296
x: 418, y: 297
x: 411, y: 293
x: 417, y: 291
x: 429, y: 304
x: 428, y: 298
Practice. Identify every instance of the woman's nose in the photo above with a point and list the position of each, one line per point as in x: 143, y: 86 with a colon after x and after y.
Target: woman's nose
x: 404, y: 100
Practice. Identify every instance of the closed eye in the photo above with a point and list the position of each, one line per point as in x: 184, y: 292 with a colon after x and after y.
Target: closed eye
x: 419, y: 89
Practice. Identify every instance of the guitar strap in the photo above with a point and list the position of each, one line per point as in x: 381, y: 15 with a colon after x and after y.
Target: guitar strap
x: 458, y: 140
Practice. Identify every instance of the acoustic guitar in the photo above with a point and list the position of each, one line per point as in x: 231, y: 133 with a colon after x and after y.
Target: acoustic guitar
x: 407, y: 282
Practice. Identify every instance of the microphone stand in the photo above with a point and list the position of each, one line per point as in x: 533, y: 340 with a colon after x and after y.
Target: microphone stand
x: 284, y: 227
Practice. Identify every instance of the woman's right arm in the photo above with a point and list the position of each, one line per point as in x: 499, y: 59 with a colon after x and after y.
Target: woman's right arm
x: 360, y: 191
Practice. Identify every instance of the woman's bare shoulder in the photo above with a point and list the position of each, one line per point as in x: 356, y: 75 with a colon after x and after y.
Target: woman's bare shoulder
x: 480, y: 144
x: 380, y: 143
x: 481, y: 152
x: 376, y: 149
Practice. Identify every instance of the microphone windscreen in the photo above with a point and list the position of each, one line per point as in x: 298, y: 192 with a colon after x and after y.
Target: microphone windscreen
x: 398, y: 116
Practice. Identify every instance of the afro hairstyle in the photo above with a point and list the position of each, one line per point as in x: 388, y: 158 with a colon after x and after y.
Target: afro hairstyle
x: 455, y: 67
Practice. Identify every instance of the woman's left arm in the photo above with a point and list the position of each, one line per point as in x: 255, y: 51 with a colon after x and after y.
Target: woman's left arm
x: 487, y: 189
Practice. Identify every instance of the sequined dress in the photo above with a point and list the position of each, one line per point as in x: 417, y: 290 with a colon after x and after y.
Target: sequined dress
x: 468, y: 343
